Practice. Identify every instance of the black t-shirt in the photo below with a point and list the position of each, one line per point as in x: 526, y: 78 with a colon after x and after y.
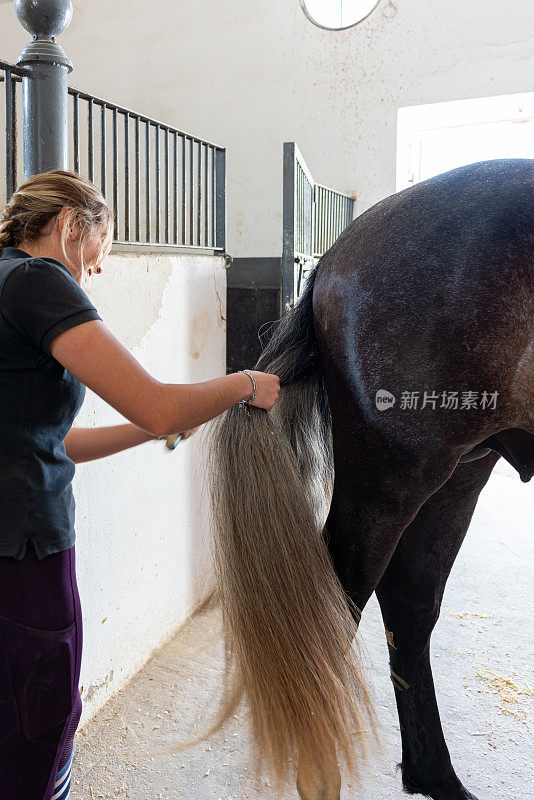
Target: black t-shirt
x: 39, y: 398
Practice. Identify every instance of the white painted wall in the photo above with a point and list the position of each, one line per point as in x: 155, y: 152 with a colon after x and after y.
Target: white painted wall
x: 142, y: 530
x: 251, y: 75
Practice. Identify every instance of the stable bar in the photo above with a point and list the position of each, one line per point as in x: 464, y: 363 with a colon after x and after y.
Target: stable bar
x: 191, y: 193
x: 213, y: 184
x: 90, y: 155
x: 157, y: 190
x: 206, y: 195
x: 199, y: 198
x: 147, y: 181
x: 166, y: 158
x: 126, y: 177
x: 11, y: 134
x: 137, y: 181
x: 103, y: 154
x: 115, y: 135
x: 76, y: 132
x: 183, y: 189
x: 175, y: 188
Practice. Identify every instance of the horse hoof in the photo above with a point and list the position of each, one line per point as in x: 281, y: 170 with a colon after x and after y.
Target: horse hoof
x: 456, y: 792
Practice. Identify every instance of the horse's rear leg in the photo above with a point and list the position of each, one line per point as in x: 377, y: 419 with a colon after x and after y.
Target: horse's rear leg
x: 410, y: 594
x: 377, y: 492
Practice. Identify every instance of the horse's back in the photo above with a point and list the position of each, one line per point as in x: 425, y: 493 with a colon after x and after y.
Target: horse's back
x: 488, y: 206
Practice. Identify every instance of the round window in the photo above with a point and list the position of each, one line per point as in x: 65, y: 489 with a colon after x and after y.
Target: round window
x: 334, y: 15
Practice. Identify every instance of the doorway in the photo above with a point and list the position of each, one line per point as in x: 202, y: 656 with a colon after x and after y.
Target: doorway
x: 437, y: 137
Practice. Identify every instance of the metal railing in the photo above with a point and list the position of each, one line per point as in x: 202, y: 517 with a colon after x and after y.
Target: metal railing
x: 164, y: 186
x: 313, y: 218
x: 333, y: 211
x: 303, y: 244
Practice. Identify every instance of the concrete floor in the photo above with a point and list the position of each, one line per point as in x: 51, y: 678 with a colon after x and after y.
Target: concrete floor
x: 482, y: 659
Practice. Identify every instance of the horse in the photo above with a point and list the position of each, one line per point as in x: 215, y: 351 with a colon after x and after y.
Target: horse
x: 406, y: 370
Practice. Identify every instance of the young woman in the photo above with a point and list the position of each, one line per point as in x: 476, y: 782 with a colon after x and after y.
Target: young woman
x: 55, y: 232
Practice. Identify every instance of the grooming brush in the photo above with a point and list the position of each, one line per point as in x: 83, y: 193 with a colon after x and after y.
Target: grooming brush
x: 172, y: 440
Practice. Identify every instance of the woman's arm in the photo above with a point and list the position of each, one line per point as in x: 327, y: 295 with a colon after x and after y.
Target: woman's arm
x: 88, y: 444
x: 97, y: 358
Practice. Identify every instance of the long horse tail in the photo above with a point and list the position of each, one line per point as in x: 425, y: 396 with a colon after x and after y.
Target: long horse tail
x: 289, y: 626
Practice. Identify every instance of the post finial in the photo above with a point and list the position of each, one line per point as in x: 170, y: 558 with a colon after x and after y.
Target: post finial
x: 45, y: 19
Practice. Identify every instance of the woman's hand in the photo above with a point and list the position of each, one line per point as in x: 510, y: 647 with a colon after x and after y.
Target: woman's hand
x: 268, y: 389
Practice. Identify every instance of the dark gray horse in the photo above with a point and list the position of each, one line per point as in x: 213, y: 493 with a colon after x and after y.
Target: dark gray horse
x: 410, y: 359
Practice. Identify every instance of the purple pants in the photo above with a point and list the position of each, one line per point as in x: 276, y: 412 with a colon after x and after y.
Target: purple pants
x: 40, y: 655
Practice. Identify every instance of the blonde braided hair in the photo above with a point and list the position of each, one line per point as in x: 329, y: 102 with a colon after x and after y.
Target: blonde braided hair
x: 36, y: 201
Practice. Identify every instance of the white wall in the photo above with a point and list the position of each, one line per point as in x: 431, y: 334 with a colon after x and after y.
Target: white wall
x: 141, y: 523
x: 251, y: 75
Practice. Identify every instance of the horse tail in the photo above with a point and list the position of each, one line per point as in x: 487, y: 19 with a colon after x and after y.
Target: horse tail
x: 289, y: 626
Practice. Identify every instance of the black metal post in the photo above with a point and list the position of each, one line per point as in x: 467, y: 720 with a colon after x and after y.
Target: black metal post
x: 220, y: 198
x: 45, y: 87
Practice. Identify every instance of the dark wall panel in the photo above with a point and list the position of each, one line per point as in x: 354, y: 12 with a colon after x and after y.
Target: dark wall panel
x: 253, y: 300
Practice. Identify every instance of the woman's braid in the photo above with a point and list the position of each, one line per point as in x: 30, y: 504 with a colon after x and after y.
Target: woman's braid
x: 11, y: 231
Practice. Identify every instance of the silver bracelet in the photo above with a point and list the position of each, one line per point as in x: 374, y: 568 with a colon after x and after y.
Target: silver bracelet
x: 255, y: 388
